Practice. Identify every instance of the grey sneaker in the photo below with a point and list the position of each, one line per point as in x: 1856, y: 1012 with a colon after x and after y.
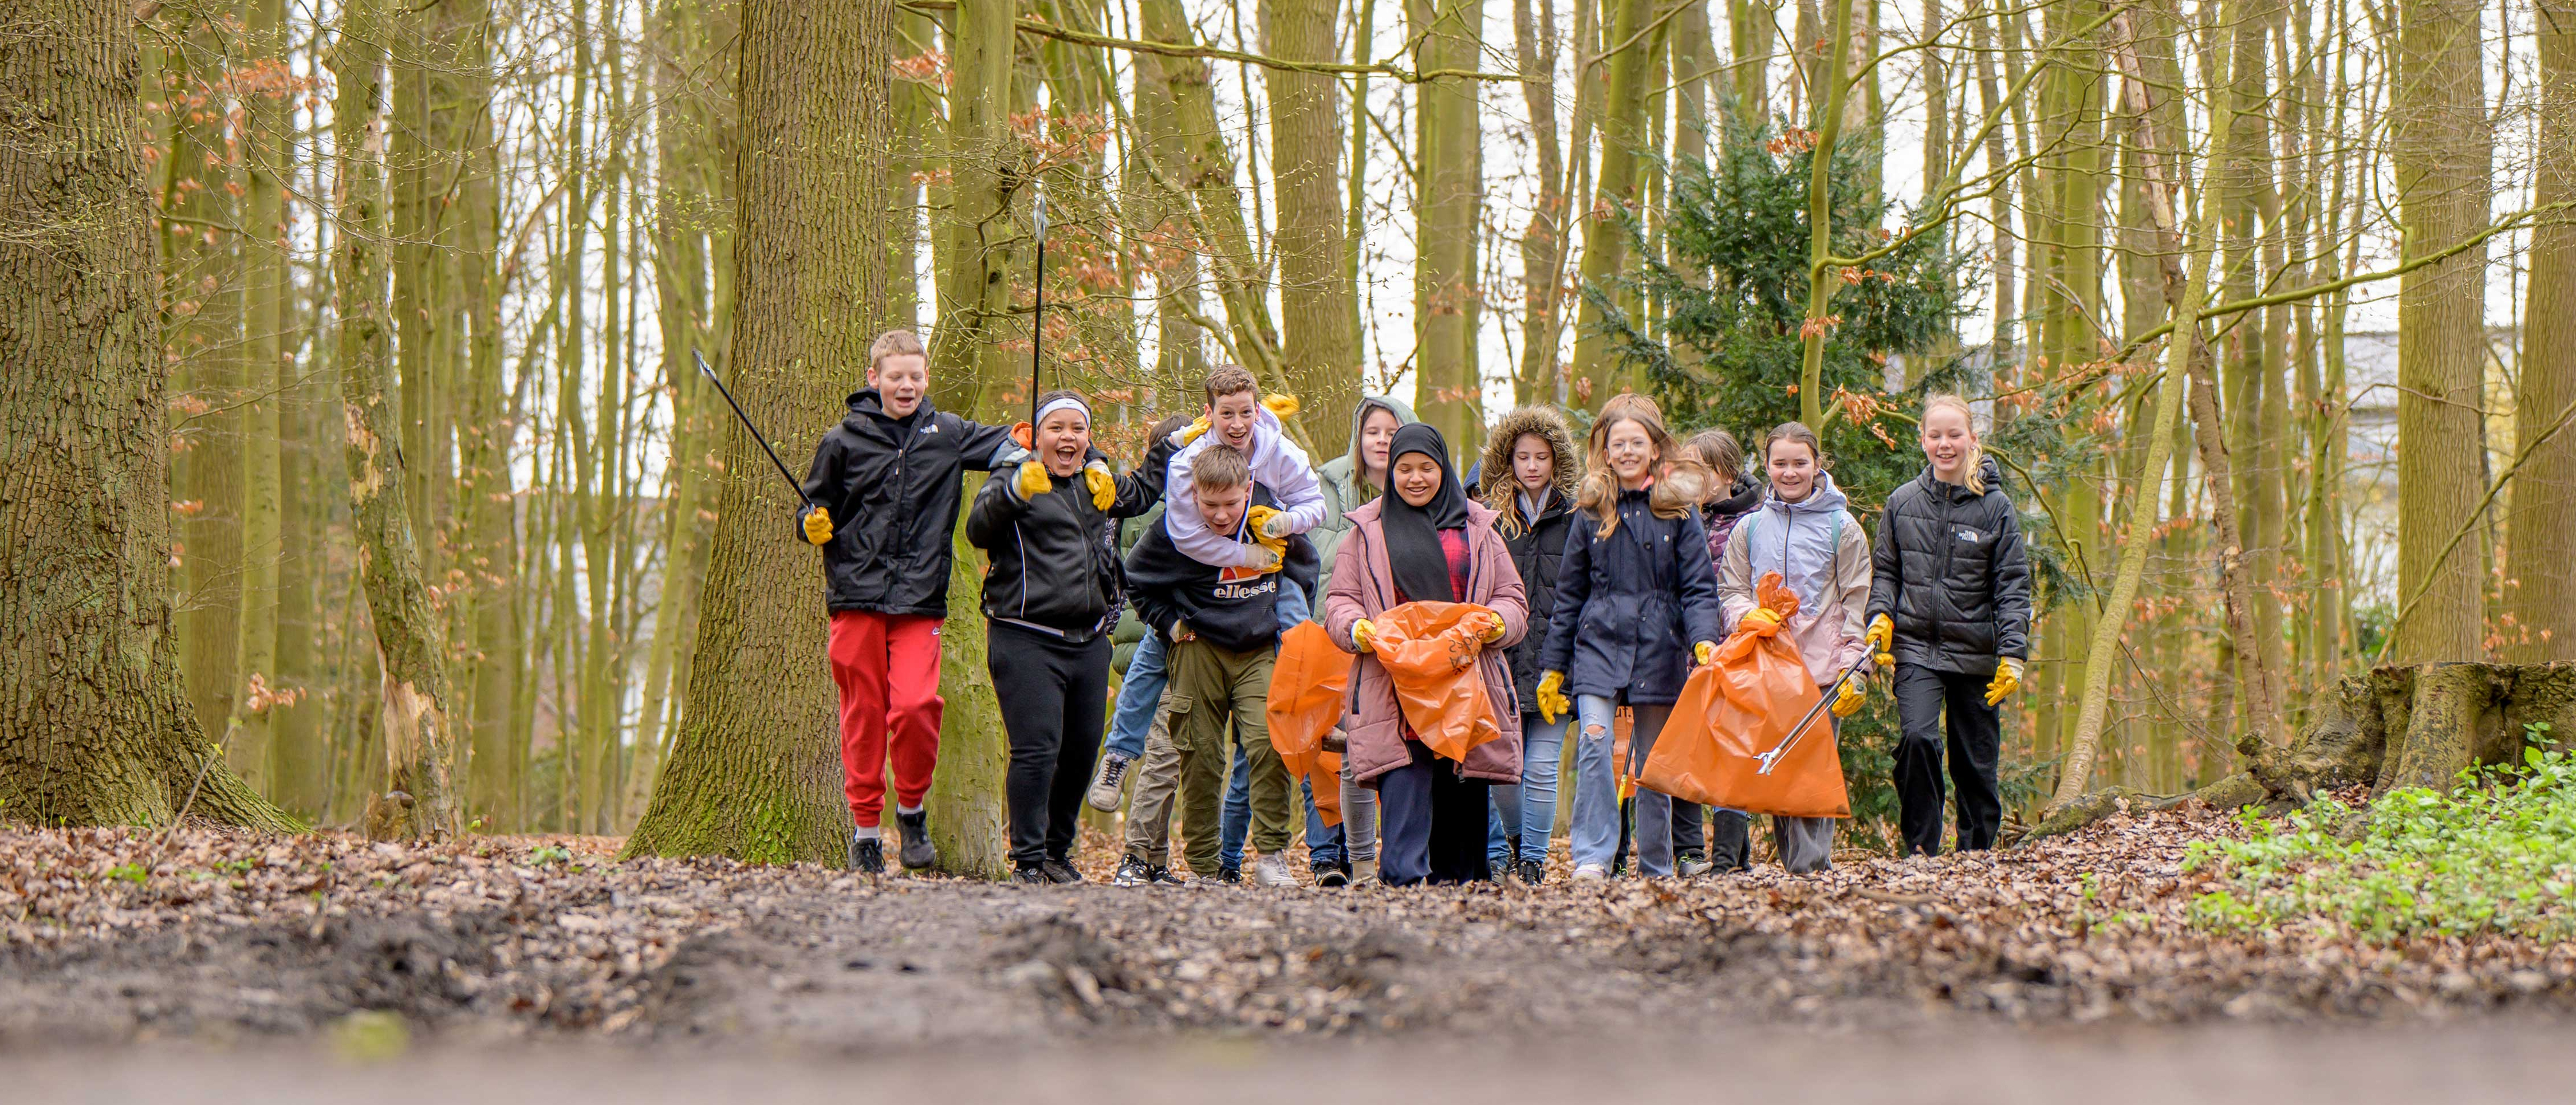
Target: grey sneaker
x: 1692, y: 867
x: 867, y: 856
x: 1060, y: 872
x: 1272, y: 870
x: 1591, y: 872
x: 1532, y: 872
x: 1132, y: 872
x: 918, y: 853
x: 1109, y: 783
x: 1030, y: 876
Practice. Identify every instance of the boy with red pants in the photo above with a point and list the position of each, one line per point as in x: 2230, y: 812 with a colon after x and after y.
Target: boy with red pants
x: 889, y: 473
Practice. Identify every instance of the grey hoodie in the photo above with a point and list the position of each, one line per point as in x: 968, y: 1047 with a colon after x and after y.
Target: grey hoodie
x: 1830, y: 578
x: 1343, y: 489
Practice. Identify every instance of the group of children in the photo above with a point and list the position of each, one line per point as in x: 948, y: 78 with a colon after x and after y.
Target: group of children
x: 1609, y: 578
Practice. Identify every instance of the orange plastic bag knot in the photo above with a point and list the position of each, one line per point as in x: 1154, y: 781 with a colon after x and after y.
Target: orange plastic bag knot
x: 1430, y: 650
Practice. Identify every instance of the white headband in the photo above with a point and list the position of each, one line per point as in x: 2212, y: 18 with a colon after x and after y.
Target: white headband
x: 1062, y: 402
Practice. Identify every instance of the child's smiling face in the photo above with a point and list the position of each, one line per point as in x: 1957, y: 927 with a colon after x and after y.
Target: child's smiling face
x: 1063, y: 440
x: 1232, y: 417
x: 901, y: 380
x: 1632, y: 453
x: 1793, y: 470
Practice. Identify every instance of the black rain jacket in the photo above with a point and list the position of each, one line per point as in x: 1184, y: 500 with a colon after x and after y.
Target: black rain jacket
x: 1949, y: 567
x: 1234, y: 609
x: 1052, y: 561
x: 892, y: 487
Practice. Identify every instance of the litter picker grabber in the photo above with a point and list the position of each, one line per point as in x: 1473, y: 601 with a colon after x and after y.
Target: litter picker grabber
x: 1037, y: 318
x: 1771, y: 759
x: 756, y: 435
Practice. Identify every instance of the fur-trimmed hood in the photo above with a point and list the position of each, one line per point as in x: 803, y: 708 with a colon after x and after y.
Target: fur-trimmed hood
x: 1496, y: 465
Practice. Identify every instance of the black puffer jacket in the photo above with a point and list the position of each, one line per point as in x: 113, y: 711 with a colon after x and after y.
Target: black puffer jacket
x: 1629, y: 606
x: 892, y: 487
x: 1052, y: 561
x: 1537, y: 546
x: 1950, y: 569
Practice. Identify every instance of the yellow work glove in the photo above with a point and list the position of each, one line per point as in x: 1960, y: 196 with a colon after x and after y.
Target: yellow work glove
x: 1284, y: 406
x: 2007, y: 680
x: 818, y: 526
x: 1494, y: 628
x: 1277, y: 525
x: 1552, y: 703
x: 1104, y: 487
x: 1762, y: 616
x: 1364, y: 634
x: 1702, y: 651
x: 1882, y: 634
x: 1849, y: 702
x: 1032, y: 481
x: 1190, y: 432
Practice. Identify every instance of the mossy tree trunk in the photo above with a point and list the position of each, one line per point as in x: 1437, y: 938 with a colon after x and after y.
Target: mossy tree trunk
x: 419, y: 740
x: 754, y: 771
x: 96, y: 726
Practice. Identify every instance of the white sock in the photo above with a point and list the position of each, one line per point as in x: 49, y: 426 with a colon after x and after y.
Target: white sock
x: 907, y: 811
x: 869, y: 832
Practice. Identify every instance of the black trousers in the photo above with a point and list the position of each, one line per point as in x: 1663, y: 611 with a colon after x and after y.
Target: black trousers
x: 1975, y: 734
x: 1433, y: 823
x: 1054, y: 694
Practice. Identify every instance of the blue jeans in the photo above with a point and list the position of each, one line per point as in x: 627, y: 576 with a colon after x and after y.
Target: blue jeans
x: 1596, y: 787
x: 1530, y: 808
x: 1323, y: 842
x: 1236, y: 821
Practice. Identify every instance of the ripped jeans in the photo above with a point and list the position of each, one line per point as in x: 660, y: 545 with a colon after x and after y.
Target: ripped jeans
x: 1596, y: 787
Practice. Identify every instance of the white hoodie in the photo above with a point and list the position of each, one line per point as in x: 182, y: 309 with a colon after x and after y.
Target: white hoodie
x: 1277, y: 464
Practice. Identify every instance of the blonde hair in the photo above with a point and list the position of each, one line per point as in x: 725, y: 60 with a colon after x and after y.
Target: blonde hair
x: 894, y: 343
x: 1218, y: 469
x: 1976, y: 474
x: 1679, y: 480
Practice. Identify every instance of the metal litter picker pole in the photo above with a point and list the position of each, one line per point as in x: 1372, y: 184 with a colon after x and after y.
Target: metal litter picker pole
x: 756, y: 435
x: 1771, y: 759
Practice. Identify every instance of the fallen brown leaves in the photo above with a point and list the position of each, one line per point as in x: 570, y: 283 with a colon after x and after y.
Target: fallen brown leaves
x: 232, y: 931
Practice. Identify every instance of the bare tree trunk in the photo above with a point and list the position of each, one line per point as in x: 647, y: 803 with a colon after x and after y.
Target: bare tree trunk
x: 2440, y: 148
x: 754, y: 771
x: 1615, y: 194
x: 1451, y: 191
x: 2540, y: 546
x: 417, y: 801
x: 95, y: 723
x: 1543, y: 241
x: 1318, y: 349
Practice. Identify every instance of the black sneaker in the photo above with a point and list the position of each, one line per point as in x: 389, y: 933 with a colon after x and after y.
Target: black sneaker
x: 1229, y: 875
x: 1060, y: 872
x: 1163, y: 876
x: 1532, y: 872
x: 918, y: 852
x: 867, y: 855
x: 1133, y: 872
x: 1031, y: 876
x: 1331, y: 876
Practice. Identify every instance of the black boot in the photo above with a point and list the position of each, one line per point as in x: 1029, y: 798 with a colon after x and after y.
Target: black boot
x: 1532, y: 872
x: 1730, y: 841
x: 1031, y: 876
x: 867, y: 855
x: 918, y: 852
x: 1060, y: 871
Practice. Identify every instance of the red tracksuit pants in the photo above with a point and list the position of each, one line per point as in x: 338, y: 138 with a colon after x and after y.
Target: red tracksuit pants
x: 887, y: 666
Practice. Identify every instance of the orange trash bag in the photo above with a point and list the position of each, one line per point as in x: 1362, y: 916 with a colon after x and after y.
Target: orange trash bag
x: 1430, y: 651
x: 1310, y: 688
x: 1742, y: 704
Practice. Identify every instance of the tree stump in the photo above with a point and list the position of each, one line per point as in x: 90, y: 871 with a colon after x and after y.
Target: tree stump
x: 2391, y: 727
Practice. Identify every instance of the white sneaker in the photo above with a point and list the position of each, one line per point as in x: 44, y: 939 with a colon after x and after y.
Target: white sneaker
x: 1591, y: 872
x: 1109, y: 783
x: 1364, y: 872
x: 1272, y: 870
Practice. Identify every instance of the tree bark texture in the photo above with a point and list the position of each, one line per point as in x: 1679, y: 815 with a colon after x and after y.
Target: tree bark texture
x: 1447, y: 393
x: 2440, y: 149
x: 416, y: 800
x: 96, y: 727
x: 1318, y: 348
x: 754, y: 771
x: 2540, y: 537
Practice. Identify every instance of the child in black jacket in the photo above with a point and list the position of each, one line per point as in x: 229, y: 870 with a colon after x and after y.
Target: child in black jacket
x: 1052, y: 589
x: 1949, y: 606
x: 1222, y: 628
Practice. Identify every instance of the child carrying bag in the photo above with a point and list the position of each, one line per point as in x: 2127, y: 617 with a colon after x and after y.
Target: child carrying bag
x: 1748, y: 700
x: 1310, y: 685
x: 1430, y: 650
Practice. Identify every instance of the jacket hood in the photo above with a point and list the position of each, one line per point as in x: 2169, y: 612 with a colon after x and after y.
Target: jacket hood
x: 1825, y: 499
x: 1496, y: 464
x: 1345, y: 469
x: 1745, y: 495
x: 867, y: 405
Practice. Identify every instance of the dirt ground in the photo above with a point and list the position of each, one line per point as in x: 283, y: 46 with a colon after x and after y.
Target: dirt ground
x: 549, y: 959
